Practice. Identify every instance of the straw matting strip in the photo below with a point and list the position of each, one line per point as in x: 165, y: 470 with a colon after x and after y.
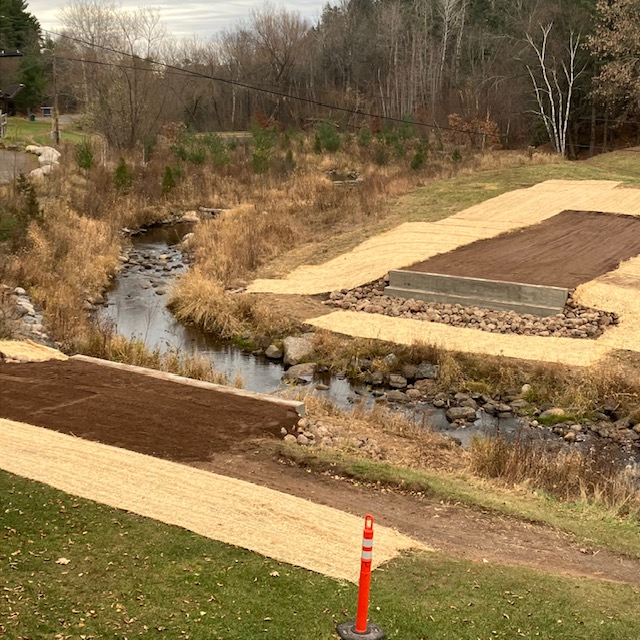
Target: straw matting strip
x: 415, y: 242
x: 274, y: 524
x: 29, y: 351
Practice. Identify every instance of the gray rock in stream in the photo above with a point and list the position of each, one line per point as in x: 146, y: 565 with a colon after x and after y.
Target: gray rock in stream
x: 461, y: 413
x: 273, y: 352
x: 302, y: 373
x: 397, y: 396
x: 296, y: 350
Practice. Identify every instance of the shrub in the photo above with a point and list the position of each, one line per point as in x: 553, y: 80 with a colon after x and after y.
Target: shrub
x: 14, y: 225
x: 418, y: 159
x: 380, y: 154
x: 122, y: 177
x: 168, y: 180
x: 84, y: 155
x: 263, y: 141
x: 327, y: 137
x: 218, y: 150
x: 364, y: 138
x: 197, y: 155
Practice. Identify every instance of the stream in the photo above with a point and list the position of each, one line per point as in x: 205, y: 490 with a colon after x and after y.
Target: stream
x: 136, y: 305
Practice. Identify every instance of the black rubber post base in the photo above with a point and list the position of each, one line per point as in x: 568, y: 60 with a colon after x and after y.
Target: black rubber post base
x: 347, y: 631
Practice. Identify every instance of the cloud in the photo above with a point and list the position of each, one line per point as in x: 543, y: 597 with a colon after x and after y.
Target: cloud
x: 203, y: 19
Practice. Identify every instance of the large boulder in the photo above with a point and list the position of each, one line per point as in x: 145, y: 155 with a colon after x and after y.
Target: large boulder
x: 296, y: 350
x: 48, y: 155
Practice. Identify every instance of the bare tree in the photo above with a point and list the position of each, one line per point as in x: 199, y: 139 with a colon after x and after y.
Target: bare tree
x: 122, y: 86
x: 553, y: 86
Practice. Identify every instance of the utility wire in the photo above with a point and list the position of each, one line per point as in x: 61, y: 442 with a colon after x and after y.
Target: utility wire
x: 251, y: 87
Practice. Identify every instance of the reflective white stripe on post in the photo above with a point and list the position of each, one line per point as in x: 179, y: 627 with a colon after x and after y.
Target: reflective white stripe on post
x: 367, y: 543
x: 367, y: 555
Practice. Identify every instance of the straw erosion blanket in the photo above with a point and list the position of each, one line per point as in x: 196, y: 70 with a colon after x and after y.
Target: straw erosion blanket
x: 203, y: 475
x: 122, y: 436
x: 410, y: 243
x: 233, y: 511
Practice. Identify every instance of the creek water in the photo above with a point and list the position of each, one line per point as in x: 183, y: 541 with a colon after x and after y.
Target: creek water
x: 136, y: 305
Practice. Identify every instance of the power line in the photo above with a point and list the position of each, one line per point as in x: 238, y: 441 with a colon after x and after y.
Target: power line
x: 251, y: 87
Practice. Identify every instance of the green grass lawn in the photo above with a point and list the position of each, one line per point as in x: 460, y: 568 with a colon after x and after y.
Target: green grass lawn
x: 443, y: 198
x: 38, y: 132
x: 70, y: 568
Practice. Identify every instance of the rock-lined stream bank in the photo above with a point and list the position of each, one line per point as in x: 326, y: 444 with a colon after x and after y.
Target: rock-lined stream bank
x: 576, y: 320
x: 137, y: 306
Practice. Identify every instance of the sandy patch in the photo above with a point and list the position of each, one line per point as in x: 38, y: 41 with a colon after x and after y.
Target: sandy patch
x: 407, y: 331
x: 271, y: 523
x: 29, y: 351
x: 418, y: 241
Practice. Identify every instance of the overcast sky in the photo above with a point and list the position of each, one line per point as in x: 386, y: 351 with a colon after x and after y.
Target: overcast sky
x: 202, y: 19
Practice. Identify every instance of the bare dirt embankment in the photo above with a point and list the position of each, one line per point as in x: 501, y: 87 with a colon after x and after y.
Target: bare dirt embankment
x: 85, y: 409
x: 567, y: 250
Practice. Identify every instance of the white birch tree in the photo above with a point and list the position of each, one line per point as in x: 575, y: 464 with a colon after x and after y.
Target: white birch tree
x: 553, y: 83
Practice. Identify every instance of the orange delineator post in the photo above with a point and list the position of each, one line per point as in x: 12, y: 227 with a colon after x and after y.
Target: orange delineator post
x: 361, y: 629
x: 365, y: 576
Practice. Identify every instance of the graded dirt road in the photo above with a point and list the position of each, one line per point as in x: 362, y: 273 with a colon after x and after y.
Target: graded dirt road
x: 59, y: 396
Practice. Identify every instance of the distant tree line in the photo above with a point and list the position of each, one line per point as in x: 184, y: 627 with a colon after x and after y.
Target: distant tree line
x: 557, y: 71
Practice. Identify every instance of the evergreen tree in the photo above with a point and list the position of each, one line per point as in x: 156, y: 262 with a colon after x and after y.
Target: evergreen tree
x: 20, y: 31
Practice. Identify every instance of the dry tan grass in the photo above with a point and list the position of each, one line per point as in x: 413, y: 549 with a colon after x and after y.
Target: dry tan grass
x: 104, y: 344
x: 400, y: 441
x: 567, y: 474
x: 68, y: 259
x: 202, y: 301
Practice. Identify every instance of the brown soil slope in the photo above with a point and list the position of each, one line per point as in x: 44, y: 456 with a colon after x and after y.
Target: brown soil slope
x: 564, y: 251
x: 175, y: 422
x: 131, y: 410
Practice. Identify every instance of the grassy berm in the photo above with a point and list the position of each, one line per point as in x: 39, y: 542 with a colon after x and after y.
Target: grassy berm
x: 70, y: 568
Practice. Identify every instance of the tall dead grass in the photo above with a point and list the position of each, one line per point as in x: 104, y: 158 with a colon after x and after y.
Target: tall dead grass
x: 204, y: 302
x: 68, y: 258
x: 101, y: 342
x: 591, y: 476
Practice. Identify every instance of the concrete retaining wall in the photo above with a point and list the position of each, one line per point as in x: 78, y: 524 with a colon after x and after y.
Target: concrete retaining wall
x: 476, y: 292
